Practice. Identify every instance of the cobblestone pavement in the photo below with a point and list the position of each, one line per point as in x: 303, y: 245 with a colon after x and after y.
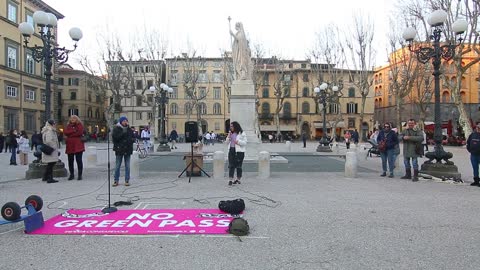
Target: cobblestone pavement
x: 299, y: 219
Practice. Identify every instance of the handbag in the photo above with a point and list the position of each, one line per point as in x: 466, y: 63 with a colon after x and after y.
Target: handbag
x: 83, y: 138
x: 46, y: 149
x: 382, y: 145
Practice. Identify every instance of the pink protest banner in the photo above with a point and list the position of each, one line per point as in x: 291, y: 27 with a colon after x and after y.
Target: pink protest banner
x: 149, y: 221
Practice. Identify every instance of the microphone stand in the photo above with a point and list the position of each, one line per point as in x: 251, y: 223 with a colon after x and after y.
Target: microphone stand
x: 109, y: 208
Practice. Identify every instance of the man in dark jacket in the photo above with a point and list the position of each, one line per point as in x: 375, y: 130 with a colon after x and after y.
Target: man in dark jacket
x: 173, y: 138
x: 388, y: 155
x: 411, y: 138
x: 123, y: 140
x: 473, y: 146
x: 36, y: 140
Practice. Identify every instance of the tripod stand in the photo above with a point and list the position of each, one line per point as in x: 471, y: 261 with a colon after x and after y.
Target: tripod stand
x: 191, y: 165
x: 109, y: 208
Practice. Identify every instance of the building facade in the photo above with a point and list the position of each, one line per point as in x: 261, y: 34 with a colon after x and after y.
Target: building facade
x: 22, y: 81
x: 201, y: 88
x: 301, y: 111
x: 77, y: 94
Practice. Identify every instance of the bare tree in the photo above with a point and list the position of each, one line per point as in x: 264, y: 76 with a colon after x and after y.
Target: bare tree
x: 362, y: 54
x: 282, y: 82
x: 327, y: 56
x: 404, y: 71
x: 194, y: 81
x: 115, y: 75
x: 152, y: 51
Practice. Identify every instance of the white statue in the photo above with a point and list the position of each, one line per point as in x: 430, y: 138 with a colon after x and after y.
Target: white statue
x: 241, y: 54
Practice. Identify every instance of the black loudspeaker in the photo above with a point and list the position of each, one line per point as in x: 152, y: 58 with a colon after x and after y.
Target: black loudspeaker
x: 191, y: 132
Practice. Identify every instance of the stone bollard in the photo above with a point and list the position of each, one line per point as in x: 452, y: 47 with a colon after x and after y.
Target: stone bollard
x: 134, y: 165
x: 351, y: 165
x: 289, y: 146
x: 264, y: 165
x: 218, y: 165
x: 91, y: 157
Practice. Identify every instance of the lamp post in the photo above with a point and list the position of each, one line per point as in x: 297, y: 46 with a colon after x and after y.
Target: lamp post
x: 435, y: 53
x: 46, y: 22
x: 324, y: 96
x: 161, y: 99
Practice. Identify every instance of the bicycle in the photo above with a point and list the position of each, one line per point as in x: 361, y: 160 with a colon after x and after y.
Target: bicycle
x: 142, y: 152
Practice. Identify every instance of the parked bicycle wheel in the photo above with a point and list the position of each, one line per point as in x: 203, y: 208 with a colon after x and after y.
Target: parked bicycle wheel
x: 142, y: 153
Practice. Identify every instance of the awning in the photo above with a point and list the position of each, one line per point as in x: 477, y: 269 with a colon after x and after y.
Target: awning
x: 274, y: 128
x: 340, y: 124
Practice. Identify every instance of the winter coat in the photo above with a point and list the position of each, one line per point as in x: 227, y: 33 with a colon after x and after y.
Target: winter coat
x: 74, y: 133
x: 24, y: 145
x: 37, y: 139
x: 12, y: 140
x: 123, y: 140
x: 242, y: 142
x: 391, y: 137
x: 174, y: 135
x: 415, y: 137
x: 50, y: 138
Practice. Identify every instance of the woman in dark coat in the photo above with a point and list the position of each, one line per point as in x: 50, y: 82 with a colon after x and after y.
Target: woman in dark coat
x: 75, y: 146
x: 13, y: 146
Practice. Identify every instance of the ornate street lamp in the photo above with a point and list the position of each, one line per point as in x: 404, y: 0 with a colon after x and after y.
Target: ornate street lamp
x: 161, y: 99
x: 435, y: 53
x: 46, y: 22
x: 326, y: 96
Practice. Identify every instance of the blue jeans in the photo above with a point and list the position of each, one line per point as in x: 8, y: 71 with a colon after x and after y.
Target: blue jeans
x: 475, y: 159
x: 118, y: 164
x: 406, y: 162
x: 388, y: 156
x: 13, y: 157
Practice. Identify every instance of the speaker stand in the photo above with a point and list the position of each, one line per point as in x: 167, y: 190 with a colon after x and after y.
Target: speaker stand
x: 192, y: 165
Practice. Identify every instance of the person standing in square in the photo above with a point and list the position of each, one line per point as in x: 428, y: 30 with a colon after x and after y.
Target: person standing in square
x: 123, y: 140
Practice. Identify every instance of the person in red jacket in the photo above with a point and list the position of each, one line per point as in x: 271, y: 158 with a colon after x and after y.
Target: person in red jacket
x: 75, y: 146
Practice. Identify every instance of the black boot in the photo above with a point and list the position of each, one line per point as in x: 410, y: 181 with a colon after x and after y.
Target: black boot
x: 415, y: 175
x: 72, y: 176
x: 51, y: 180
x: 79, y: 177
x: 476, y: 182
x: 408, y: 174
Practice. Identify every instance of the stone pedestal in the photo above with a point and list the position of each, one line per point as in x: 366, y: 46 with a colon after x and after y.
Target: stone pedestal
x: 323, y: 148
x: 242, y: 110
x: 37, y: 169
x: 441, y: 170
x: 164, y: 148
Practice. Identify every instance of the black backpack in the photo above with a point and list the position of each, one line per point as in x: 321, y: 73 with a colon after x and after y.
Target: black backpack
x: 474, y: 146
x: 238, y: 227
x: 233, y: 207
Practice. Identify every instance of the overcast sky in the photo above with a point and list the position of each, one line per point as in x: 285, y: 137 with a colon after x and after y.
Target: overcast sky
x: 285, y: 28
